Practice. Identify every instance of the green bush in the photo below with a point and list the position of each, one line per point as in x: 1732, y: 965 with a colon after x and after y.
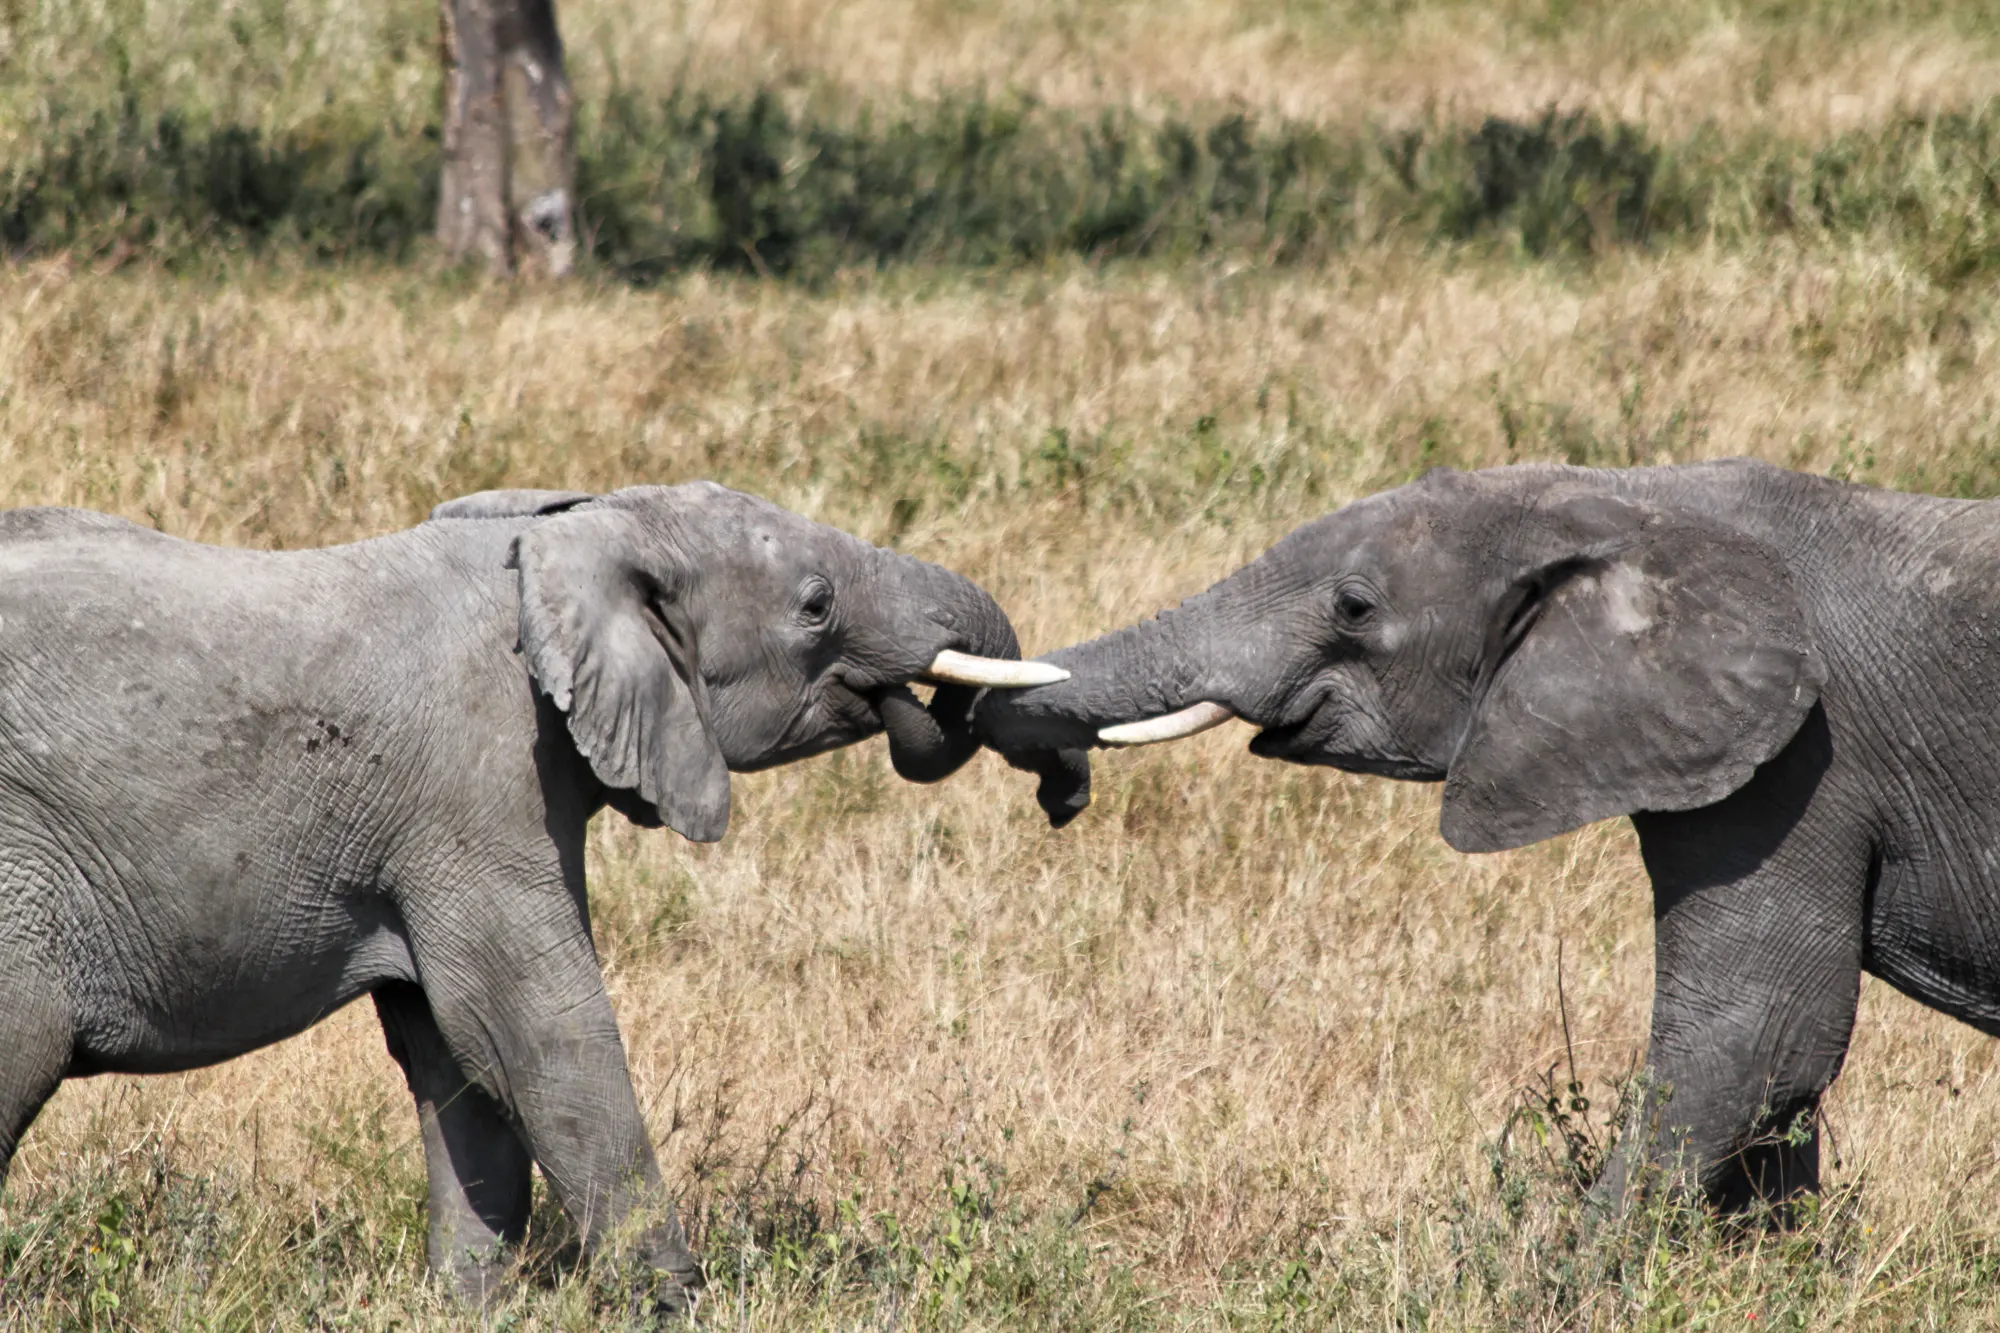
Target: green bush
x: 127, y: 176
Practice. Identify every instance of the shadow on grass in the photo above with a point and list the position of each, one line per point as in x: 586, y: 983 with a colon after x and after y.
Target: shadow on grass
x: 695, y: 181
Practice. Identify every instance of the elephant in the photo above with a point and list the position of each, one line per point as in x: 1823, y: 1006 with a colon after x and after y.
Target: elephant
x: 240, y: 789
x: 1787, y: 682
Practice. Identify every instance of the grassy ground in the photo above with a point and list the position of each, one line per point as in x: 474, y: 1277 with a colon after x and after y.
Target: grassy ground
x: 1245, y: 1047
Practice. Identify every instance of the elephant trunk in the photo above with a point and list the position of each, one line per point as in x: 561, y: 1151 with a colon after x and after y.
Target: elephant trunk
x: 1150, y: 681
x: 930, y: 742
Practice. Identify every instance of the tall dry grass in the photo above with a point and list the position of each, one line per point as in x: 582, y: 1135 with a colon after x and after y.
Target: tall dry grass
x: 1794, y: 67
x: 1790, y: 68
x: 1236, y: 1048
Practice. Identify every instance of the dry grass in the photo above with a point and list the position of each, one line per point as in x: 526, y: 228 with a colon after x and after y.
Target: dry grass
x: 1803, y: 69
x: 1238, y: 1048
x: 1259, y: 1015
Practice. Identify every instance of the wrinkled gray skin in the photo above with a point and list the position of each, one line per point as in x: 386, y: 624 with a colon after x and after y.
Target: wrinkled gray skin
x: 1790, y: 685
x: 239, y: 789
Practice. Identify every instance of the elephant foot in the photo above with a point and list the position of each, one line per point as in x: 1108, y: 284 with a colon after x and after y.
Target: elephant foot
x: 669, y: 1300
x: 677, y: 1275
x: 655, y: 1299
x: 479, y: 1278
x: 662, y: 1286
x: 657, y: 1277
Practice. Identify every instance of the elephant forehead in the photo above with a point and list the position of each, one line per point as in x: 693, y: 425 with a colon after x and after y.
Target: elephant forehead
x: 756, y: 561
x: 1400, y: 548
x: 754, y: 536
x: 727, y: 515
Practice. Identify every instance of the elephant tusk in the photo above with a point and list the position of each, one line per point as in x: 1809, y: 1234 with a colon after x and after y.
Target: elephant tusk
x: 1170, y: 727
x: 955, y: 668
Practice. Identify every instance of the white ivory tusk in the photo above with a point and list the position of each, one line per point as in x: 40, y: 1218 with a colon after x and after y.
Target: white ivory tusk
x: 1190, y: 720
x: 993, y: 673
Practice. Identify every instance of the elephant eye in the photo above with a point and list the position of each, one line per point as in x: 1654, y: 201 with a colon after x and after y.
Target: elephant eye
x: 1354, y: 607
x: 815, y: 603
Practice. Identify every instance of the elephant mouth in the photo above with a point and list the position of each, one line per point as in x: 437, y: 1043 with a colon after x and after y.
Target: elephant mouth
x: 1325, y: 737
x: 927, y: 741
x: 1318, y: 719
x: 1280, y: 742
x: 834, y: 716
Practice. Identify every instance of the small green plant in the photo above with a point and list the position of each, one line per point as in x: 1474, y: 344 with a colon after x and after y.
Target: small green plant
x: 110, y: 1257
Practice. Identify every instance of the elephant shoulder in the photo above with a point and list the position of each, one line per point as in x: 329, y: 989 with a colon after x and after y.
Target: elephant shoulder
x: 54, y: 523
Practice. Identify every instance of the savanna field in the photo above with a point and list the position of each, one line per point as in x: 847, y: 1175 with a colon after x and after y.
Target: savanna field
x: 1093, y: 302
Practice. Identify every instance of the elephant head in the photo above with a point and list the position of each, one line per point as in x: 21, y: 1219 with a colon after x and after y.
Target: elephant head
x: 689, y: 631
x: 1548, y: 642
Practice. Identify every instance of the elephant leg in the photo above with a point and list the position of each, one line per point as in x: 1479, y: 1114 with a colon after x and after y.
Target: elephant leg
x: 480, y: 1172
x: 1758, y: 935
x: 1738, y: 1061
x: 37, y: 1039
x: 522, y: 1008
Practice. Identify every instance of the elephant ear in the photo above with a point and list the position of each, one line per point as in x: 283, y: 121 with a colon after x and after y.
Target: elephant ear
x: 510, y: 504
x: 1651, y: 662
x: 606, y: 629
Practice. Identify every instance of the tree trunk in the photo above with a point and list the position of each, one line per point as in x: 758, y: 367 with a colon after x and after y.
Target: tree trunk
x: 472, y: 195
x: 503, y: 63
x: 544, y: 190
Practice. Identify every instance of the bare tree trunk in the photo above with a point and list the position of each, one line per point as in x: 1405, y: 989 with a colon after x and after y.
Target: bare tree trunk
x: 544, y: 216
x: 472, y: 196
x: 502, y: 56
